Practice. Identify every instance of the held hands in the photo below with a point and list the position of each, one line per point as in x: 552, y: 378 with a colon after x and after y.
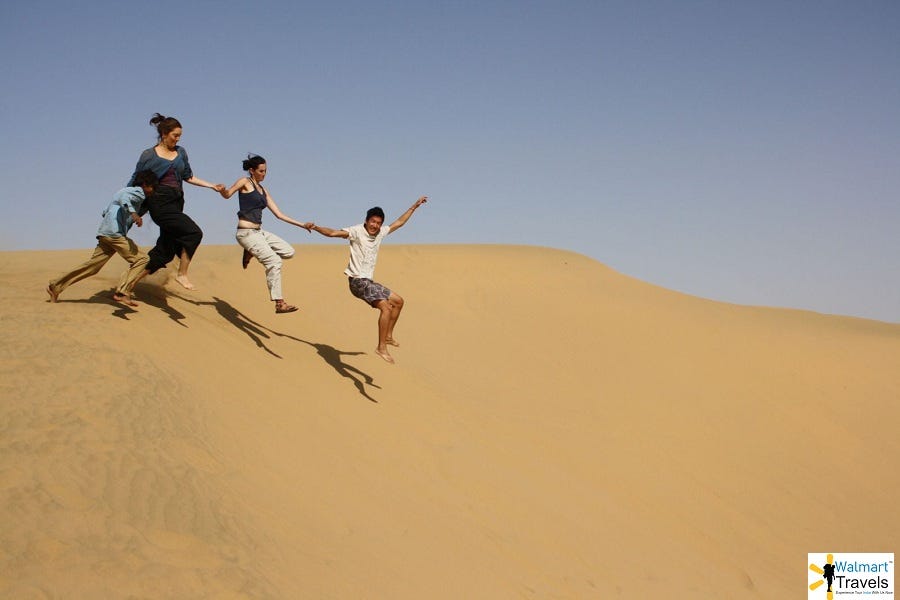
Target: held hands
x: 137, y: 219
x: 308, y: 226
x: 220, y: 187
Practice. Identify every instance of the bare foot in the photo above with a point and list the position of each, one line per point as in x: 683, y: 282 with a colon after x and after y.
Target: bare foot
x: 54, y: 295
x: 185, y: 282
x: 392, y: 342
x: 384, y: 354
x: 124, y: 299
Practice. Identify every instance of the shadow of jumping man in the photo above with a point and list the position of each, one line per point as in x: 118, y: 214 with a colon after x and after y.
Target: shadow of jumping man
x: 257, y: 331
x: 332, y: 356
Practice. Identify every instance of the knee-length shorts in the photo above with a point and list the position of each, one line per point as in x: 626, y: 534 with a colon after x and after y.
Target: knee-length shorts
x: 368, y: 290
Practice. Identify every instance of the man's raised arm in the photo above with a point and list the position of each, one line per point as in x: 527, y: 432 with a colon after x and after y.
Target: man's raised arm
x: 401, y: 221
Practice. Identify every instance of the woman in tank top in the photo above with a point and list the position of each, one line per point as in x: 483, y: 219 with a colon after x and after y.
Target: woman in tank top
x: 268, y: 248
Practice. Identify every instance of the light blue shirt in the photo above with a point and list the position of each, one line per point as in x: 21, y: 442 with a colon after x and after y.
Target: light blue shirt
x: 117, y: 216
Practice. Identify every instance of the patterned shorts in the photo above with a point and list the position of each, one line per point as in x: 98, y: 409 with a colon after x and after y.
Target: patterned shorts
x: 368, y: 290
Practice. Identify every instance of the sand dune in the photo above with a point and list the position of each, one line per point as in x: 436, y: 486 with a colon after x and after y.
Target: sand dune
x: 552, y: 429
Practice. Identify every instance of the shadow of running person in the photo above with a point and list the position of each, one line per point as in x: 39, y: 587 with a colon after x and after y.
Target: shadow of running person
x: 155, y: 296
x: 150, y: 295
x: 122, y: 311
x: 257, y: 331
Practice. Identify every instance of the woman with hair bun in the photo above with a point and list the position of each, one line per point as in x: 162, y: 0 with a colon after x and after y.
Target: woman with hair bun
x: 178, y: 234
x: 268, y: 248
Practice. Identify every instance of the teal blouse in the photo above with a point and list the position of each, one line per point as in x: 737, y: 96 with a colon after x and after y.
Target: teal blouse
x: 151, y: 160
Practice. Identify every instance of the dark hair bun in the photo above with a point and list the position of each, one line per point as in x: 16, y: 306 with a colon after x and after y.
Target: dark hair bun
x: 253, y: 161
x: 164, y: 124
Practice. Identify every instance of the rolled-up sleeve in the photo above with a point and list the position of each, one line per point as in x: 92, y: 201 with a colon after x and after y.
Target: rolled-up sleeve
x: 188, y: 172
x: 131, y: 201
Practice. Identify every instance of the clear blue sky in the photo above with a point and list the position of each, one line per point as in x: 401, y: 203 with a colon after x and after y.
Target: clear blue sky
x: 739, y: 151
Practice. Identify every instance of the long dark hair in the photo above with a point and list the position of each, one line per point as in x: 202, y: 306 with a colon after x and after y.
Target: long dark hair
x: 164, y: 124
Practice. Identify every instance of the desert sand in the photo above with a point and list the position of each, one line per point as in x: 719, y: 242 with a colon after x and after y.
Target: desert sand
x: 552, y: 429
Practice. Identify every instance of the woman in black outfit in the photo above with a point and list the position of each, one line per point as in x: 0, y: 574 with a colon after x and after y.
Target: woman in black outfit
x: 178, y: 234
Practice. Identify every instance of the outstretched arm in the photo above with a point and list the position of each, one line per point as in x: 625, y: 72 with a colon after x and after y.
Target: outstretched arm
x: 327, y: 231
x: 203, y: 183
x: 400, y: 222
x: 238, y: 185
x: 277, y: 212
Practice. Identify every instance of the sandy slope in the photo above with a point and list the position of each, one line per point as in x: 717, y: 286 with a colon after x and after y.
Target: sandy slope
x: 552, y: 429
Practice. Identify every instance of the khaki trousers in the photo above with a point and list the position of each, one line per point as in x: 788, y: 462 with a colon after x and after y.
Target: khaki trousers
x: 106, y: 248
x: 268, y: 249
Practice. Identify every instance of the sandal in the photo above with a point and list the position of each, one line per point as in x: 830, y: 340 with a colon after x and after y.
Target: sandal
x: 245, y: 260
x: 284, y: 307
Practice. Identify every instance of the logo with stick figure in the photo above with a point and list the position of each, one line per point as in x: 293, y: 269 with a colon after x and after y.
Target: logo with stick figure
x: 850, y: 575
x: 826, y: 572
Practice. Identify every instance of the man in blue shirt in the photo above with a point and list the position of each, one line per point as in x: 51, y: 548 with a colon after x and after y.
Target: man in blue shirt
x: 125, y: 209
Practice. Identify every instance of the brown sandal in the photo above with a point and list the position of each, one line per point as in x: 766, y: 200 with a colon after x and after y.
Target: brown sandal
x: 284, y: 307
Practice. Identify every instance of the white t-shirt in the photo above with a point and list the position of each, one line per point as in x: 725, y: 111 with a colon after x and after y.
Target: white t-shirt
x: 364, y: 250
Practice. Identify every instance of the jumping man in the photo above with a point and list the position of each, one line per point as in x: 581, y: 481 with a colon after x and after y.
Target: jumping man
x: 365, y: 240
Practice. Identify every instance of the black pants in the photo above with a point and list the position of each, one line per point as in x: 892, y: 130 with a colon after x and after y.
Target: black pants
x: 177, y: 231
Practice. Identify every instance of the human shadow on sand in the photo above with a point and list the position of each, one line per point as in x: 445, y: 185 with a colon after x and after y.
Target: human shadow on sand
x: 146, y: 293
x: 332, y: 356
x: 105, y: 297
x: 257, y: 332
x: 155, y: 296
